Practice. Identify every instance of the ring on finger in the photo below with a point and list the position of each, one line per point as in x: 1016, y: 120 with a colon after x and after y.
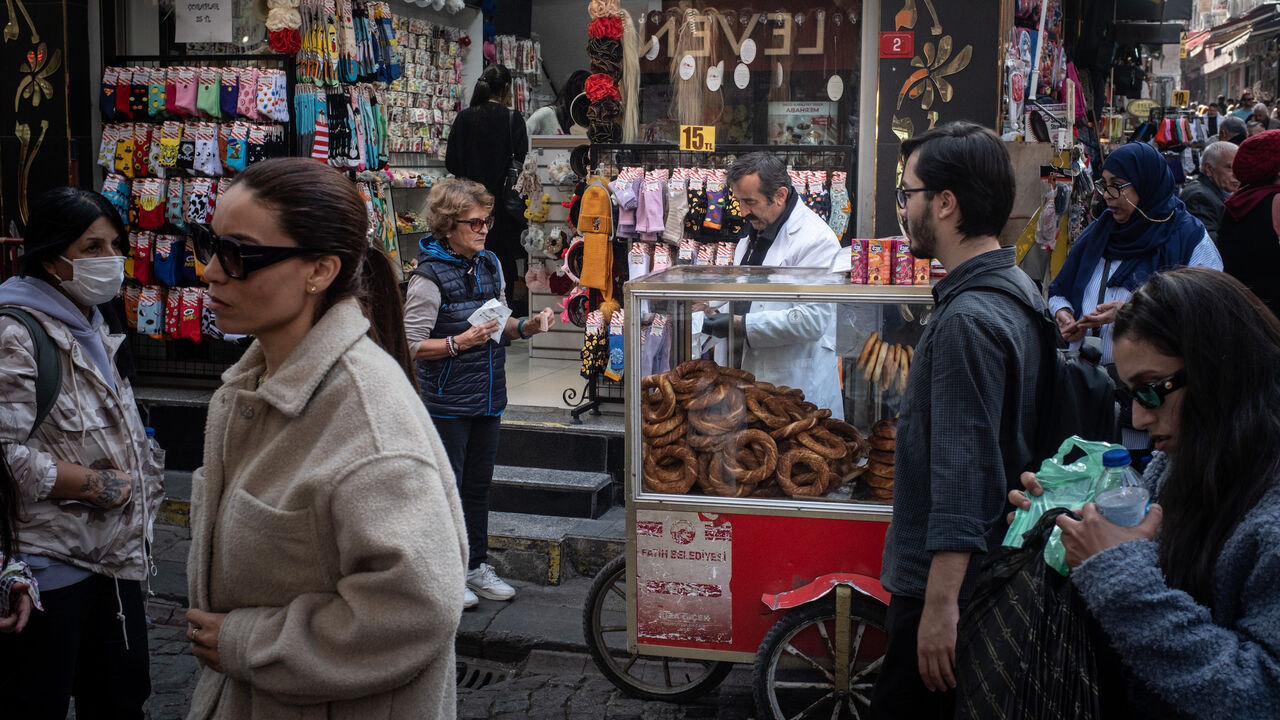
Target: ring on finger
x: 191, y: 634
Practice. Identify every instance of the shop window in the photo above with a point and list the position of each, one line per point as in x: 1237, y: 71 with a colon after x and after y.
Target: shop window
x: 782, y: 73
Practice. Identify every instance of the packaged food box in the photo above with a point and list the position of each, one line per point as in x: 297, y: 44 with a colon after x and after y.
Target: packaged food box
x: 922, y: 271
x: 879, y: 264
x: 858, y: 264
x: 904, y: 263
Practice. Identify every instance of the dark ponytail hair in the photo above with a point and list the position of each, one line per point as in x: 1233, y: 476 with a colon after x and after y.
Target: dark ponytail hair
x: 1228, y: 445
x: 321, y: 209
x: 572, y: 89
x: 493, y: 84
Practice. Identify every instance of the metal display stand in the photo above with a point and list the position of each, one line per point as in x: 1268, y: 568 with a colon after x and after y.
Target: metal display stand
x: 600, y: 390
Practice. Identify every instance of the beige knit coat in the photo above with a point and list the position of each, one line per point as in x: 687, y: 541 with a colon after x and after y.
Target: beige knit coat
x: 326, y: 522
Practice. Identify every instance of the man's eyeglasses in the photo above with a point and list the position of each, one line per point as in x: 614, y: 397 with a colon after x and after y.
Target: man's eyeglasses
x: 1151, y: 395
x: 236, y: 258
x: 903, y: 193
x: 477, y: 224
x: 1111, y: 191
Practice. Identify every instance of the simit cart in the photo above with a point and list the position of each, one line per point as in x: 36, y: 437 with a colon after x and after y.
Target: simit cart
x: 737, y: 553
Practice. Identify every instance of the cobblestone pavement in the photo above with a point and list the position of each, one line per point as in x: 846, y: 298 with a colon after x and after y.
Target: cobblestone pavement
x: 552, y: 681
x: 567, y: 686
x: 546, y: 686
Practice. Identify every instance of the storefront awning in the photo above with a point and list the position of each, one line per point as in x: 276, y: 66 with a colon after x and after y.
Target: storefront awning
x: 1223, y: 54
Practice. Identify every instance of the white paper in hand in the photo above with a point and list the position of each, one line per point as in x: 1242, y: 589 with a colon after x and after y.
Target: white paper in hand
x: 492, y: 310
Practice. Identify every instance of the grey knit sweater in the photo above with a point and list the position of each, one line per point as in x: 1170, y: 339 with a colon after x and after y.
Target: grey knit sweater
x: 1183, y: 657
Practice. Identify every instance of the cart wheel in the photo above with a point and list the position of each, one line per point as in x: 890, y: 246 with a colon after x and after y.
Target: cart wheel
x: 793, y: 675
x: 648, y: 677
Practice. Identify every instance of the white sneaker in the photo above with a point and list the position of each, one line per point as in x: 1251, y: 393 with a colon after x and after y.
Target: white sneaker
x: 486, y: 583
x: 469, y: 599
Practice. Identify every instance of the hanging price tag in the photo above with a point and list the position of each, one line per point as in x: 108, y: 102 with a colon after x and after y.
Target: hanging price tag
x: 698, y: 138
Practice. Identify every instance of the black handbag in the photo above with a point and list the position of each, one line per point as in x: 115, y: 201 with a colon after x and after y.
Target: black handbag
x: 512, y: 202
x: 1027, y: 647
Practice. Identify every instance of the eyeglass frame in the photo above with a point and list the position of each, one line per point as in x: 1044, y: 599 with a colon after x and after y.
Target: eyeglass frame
x: 1159, y: 389
x: 903, y: 194
x: 206, y: 245
x: 1111, y: 187
x: 487, y: 223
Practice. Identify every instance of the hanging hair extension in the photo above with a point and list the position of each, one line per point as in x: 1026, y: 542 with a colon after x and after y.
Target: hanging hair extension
x: 686, y: 98
x: 630, y: 79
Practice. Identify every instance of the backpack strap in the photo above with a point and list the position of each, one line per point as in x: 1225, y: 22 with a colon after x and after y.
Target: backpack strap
x: 48, y: 364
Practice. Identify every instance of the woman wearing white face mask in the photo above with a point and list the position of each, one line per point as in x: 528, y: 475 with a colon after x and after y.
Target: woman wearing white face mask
x: 88, y: 484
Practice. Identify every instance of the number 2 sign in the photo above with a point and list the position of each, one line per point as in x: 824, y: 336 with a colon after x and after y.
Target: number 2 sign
x: 897, y: 44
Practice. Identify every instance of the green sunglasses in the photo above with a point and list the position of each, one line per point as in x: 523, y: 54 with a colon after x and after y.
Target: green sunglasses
x: 1151, y: 395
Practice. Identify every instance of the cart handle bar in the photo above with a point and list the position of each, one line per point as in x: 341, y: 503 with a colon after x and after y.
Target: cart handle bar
x: 820, y: 586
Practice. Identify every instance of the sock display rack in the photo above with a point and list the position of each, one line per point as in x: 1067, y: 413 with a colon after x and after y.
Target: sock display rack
x: 176, y: 129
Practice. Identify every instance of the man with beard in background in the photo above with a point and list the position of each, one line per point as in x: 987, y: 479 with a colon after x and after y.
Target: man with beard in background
x: 969, y: 414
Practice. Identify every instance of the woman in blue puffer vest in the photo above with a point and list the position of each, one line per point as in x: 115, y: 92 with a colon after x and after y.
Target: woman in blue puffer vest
x: 461, y: 367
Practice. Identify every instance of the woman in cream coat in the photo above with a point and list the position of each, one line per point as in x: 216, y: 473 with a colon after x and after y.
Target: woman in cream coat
x: 327, y: 537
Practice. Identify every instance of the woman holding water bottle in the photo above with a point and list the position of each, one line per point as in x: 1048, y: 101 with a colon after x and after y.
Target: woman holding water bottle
x: 1190, y: 597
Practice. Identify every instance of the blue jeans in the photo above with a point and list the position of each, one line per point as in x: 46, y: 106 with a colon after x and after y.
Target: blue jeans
x: 472, y: 446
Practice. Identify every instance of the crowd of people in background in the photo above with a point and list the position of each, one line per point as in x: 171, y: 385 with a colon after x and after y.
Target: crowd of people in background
x: 357, y: 436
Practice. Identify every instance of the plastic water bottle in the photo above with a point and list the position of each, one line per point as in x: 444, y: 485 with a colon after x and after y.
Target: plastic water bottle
x: 157, y: 452
x: 1117, y: 472
x: 1119, y: 496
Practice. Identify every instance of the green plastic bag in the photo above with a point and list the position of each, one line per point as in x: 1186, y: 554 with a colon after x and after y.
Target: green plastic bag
x: 1065, y: 485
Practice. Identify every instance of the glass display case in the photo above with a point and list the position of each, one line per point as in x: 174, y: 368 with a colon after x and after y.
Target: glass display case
x: 767, y: 389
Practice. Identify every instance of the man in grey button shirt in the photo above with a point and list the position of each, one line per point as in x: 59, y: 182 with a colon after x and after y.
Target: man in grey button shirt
x: 966, y: 430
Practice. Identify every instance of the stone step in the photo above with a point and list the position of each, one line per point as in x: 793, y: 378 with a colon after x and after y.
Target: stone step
x: 542, y: 491
x: 546, y: 550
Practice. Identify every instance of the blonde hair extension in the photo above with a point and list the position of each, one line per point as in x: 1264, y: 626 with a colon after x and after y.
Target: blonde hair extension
x: 630, y: 79
x: 686, y: 100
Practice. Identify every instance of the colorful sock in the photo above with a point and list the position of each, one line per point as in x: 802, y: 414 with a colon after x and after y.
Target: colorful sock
x: 107, y: 94
x: 173, y: 206
x: 229, y: 91
x: 143, y: 255
x: 124, y: 86
x: 206, y: 158
x: 246, y: 102
x: 320, y: 149
x: 124, y: 156
x: 715, y: 205
x: 185, y: 92
x: 198, y: 193
x: 116, y: 189
x: 209, y: 93
x: 840, y: 206
x: 155, y: 93
x: 141, y: 150
x: 189, y: 315
x: 107, y: 149
x: 150, y: 312
x: 677, y: 208
x: 138, y: 91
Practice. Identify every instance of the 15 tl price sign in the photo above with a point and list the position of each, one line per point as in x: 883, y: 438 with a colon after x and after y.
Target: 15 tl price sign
x: 698, y: 138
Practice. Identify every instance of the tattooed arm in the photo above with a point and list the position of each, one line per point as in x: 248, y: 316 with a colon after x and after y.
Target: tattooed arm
x: 106, y: 488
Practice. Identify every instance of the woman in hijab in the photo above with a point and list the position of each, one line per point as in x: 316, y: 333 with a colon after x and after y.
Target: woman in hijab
x: 1249, y: 238
x: 1144, y: 230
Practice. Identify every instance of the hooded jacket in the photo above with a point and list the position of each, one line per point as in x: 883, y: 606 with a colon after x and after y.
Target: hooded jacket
x: 93, y: 423
x: 326, y: 523
x: 474, y: 383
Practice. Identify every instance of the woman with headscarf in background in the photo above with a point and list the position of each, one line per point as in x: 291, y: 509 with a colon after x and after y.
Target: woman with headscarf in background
x: 1144, y: 230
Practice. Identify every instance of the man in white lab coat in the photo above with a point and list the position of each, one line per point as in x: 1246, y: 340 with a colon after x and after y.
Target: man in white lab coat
x: 785, y: 343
